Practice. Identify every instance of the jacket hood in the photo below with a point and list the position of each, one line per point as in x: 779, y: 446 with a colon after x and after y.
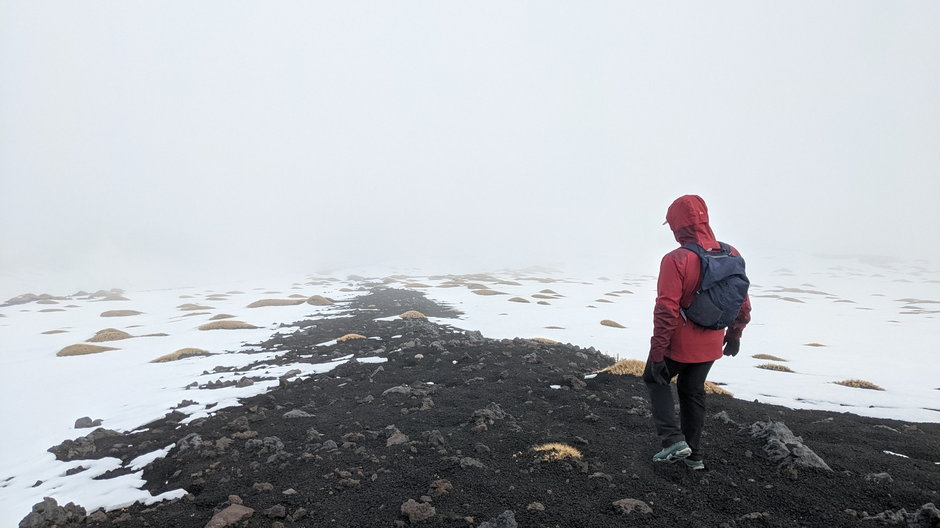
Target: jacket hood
x: 688, y: 219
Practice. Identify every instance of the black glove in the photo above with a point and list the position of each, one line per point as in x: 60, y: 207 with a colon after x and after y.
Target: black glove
x: 659, y: 372
x: 732, y: 346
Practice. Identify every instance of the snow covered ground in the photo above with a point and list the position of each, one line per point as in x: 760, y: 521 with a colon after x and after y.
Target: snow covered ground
x: 829, y: 319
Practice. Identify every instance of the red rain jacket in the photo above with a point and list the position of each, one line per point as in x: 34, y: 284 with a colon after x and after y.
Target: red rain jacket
x: 679, y: 275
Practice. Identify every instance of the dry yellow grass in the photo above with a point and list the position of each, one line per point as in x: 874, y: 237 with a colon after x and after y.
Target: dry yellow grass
x: 858, y: 384
x: 712, y: 388
x: 180, y: 354
x: 475, y: 286
x: 298, y: 296
x: 626, y: 367
x: 192, y: 314
x: 47, y: 310
x: 275, y: 302
x: 543, y: 296
x: 488, y: 292
x: 319, y: 300
x: 413, y: 314
x: 415, y: 285
x: 814, y: 344
x: 555, y: 327
x: 556, y: 451
x: 348, y: 337
x: 51, y: 332
x: 544, y: 303
x: 82, y: 350
x: 161, y: 334
x: 120, y: 313
x: 109, y: 334
x: 550, y: 292
x: 545, y: 340
x: 221, y: 316
x: 189, y: 307
x: 774, y: 366
x: 767, y: 357
x: 518, y: 300
x: 227, y: 325
x: 603, y: 300
x: 612, y: 324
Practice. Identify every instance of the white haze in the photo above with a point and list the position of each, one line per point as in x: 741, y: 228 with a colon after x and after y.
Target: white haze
x: 161, y: 142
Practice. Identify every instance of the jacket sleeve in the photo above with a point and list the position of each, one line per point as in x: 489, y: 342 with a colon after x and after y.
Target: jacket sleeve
x: 666, y: 316
x: 743, y: 318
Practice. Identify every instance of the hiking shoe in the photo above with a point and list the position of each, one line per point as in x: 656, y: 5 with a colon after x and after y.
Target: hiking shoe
x: 676, y: 451
x: 694, y: 465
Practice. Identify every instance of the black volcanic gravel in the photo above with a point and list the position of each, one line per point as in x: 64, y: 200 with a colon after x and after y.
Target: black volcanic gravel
x: 450, y: 422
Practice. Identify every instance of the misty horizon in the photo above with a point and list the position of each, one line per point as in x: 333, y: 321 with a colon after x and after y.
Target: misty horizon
x: 143, y: 144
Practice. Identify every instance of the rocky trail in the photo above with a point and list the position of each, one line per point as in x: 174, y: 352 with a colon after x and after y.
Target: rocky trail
x: 451, y: 429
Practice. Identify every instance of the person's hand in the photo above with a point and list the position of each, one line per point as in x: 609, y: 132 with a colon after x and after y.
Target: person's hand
x: 732, y: 346
x: 660, y: 372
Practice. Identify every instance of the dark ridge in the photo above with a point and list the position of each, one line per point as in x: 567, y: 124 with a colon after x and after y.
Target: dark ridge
x: 443, y: 435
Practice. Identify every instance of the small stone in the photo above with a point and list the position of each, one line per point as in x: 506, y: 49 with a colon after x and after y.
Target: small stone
x: 277, y: 511
x: 235, y: 499
x: 396, y: 438
x: 289, y: 492
x: 878, y: 477
x: 417, y: 511
x: 419, y: 356
x: 536, y: 506
x: 440, y: 487
x: 229, y: 516
x: 263, y: 486
x: 297, y: 413
x: 298, y: 514
x: 98, y: 516
x: 632, y: 506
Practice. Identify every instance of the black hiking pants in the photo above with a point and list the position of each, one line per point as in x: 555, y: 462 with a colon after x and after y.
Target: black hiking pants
x: 690, y: 385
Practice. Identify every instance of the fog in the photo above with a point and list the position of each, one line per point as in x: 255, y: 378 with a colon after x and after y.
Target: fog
x: 148, y: 142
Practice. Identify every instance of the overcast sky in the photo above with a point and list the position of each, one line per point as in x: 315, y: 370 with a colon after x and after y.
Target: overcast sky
x: 173, y: 137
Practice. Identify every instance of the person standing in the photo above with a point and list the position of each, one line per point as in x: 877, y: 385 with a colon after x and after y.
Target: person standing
x: 680, y: 347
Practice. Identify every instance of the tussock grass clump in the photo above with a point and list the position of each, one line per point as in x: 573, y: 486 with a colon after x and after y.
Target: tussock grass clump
x: 227, y: 325
x: 543, y: 296
x: 555, y: 327
x: 774, y: 366
x: 548, y: 291
x: 626, y: 367
x: 275, y: 302
x: 543, y: 340
x: 349, y: 337
x: 488, y: 292
x: 47, y: 310
x: 120, y: 313
x: 768, y: 357
x: 415, y: 285
x: 603, y: 300
x: 814, y: 344
x: 413, y: 314
x: 544, y: 303
x: 189, y: 307
x: 518, y: 300
x: 859, y: 384
x: 83, y: 350
x: 180, y: 354
x: 109, y: 334
x: 557, y: 451
x: 52, y: 332
x: 714, y: 388
x: 161, y: 334
x: 221, y: 316
x: 612, y: 324
x: 298, y: 296
x: 476, y: 286
x: 319, y: 300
